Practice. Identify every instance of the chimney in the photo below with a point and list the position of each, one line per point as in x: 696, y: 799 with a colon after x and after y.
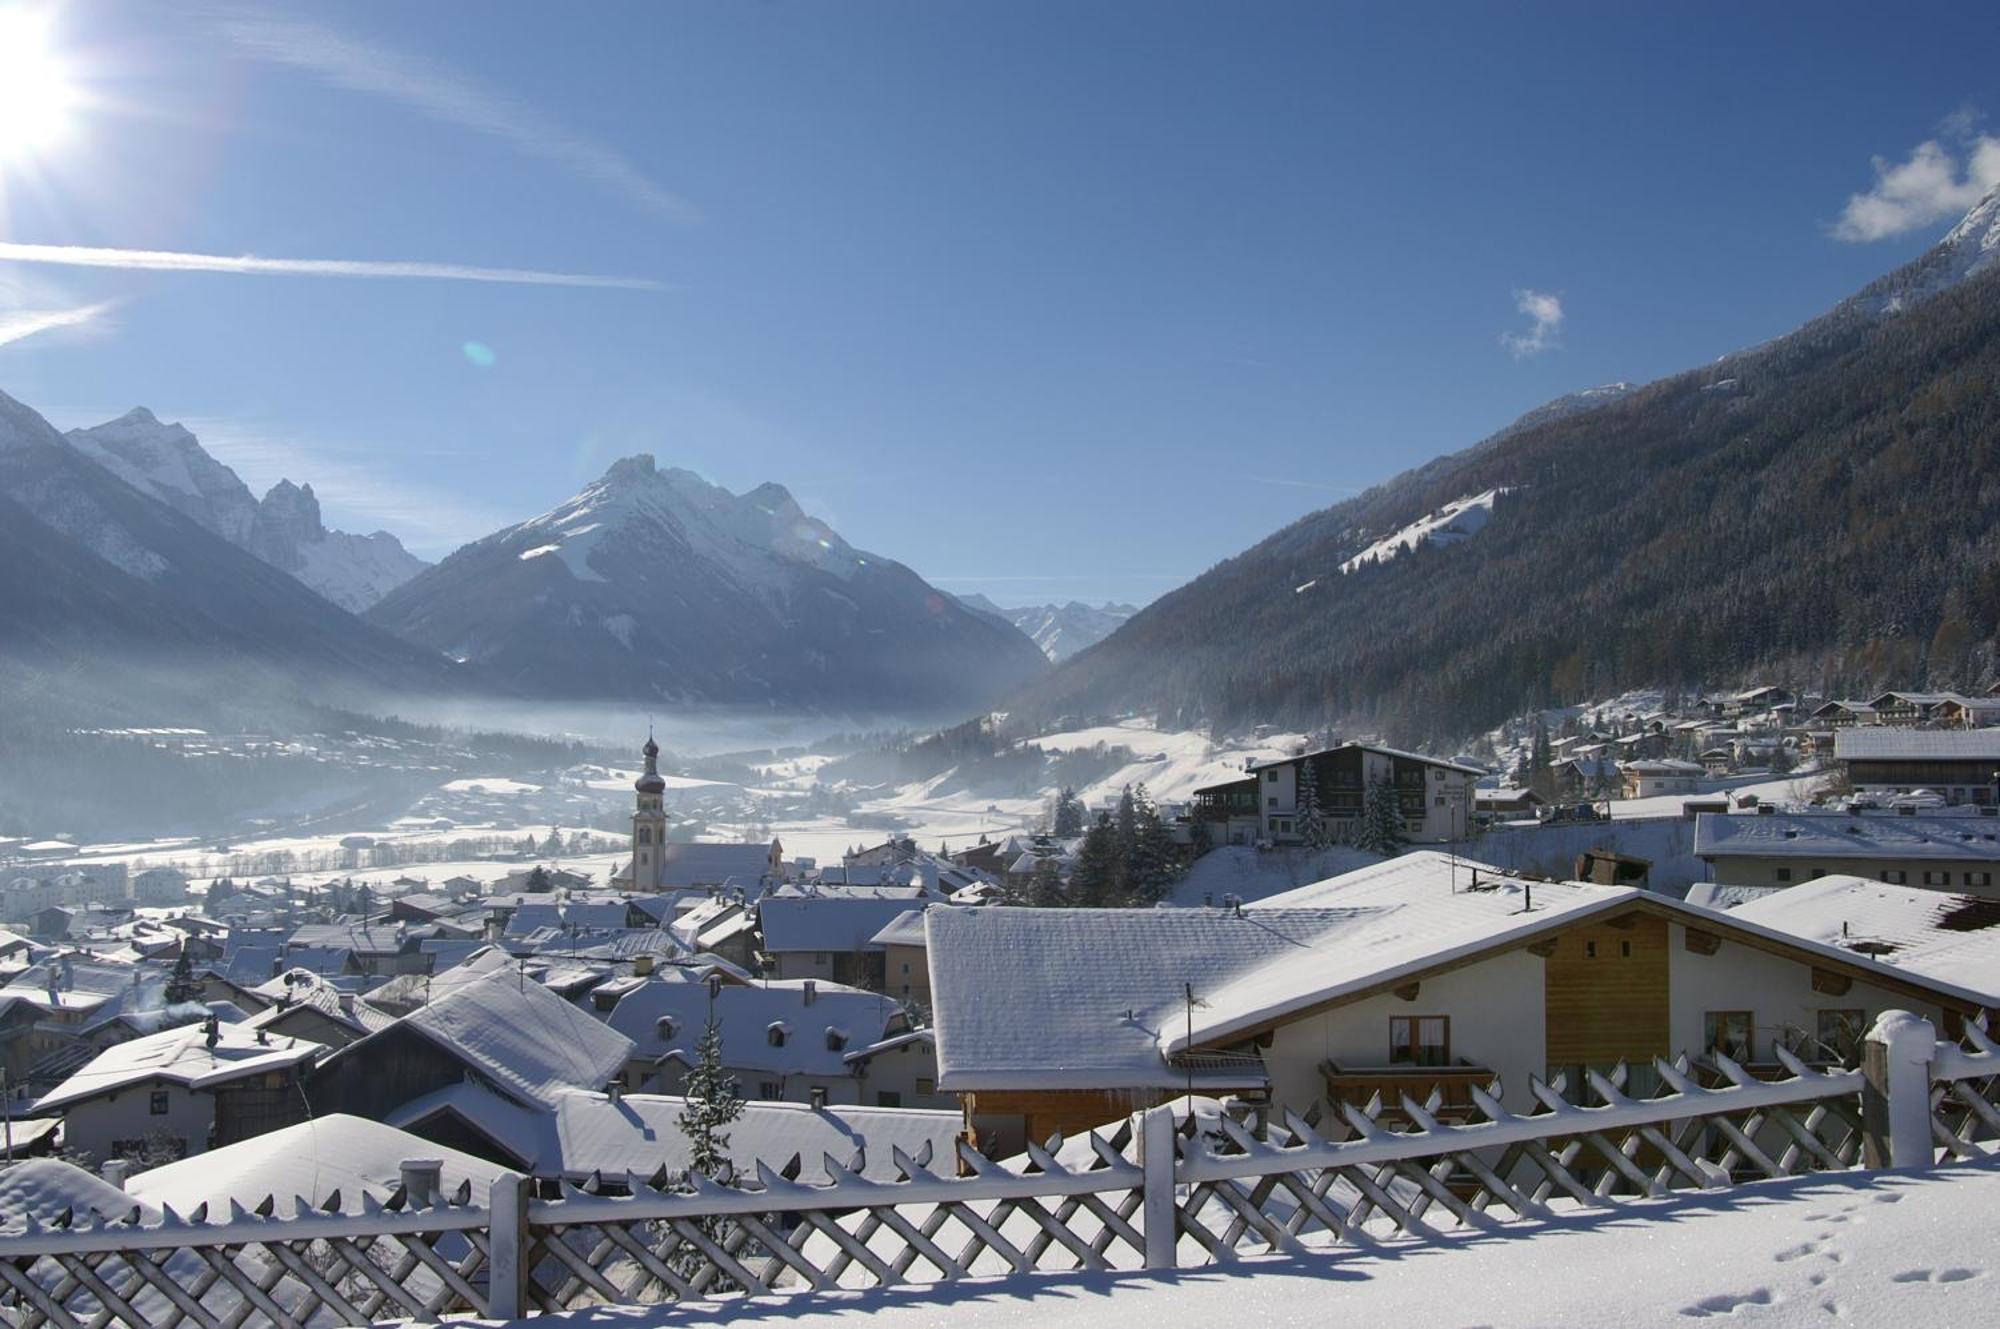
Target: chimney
x: 422, y: 1180
x: 642, y: 966
x: 818, y: 1098
x: 811, y: 991
x: 116, y: 1170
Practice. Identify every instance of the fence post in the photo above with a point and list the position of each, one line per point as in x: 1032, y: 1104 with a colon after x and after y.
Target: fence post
x: 507, y: 1242
x: 1896, y: 1093
x: 1157, y: 1143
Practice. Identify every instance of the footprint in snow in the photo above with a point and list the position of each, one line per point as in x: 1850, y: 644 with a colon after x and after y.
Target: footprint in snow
x: 1888, y: 1199
x: 1935, y: 1275
x: 1727, y: 1303
x: 1796, y: 1252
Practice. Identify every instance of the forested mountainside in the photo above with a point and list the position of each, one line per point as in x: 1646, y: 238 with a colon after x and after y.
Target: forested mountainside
x: 1823, y: 510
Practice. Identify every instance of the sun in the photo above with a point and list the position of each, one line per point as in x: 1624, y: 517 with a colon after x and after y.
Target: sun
x: 36, y: 95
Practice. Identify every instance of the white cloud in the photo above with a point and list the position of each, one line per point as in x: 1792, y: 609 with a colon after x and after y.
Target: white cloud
x: 79, y: 256
x: 1545, y: 318
x: 1934, y: 184
x: 444, y: 94
x: 16, y: 324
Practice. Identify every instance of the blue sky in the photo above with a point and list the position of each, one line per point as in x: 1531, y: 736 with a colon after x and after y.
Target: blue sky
x: 1046, y: 300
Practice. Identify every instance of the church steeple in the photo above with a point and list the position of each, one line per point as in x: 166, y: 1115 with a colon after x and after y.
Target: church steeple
x: 649, y: 820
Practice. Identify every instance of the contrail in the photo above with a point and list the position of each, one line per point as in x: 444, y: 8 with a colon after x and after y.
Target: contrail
x: 162, y: 260
x: 19, y: 323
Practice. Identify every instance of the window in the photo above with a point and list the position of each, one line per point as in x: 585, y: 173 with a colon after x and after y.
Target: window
x: 158, y: 1105
x: 1727, y: 1032
x: 1979, y: 879
x: 665, y: 1026
x: 821, y: 959
x: 1937, y: 878
x: 1839, y: 1035
x: 776, y: 1033
x: 1783, y: 874
x: 1895, y: 876
x: 1271, y: 802
x: 771, y: 1090
x: 1590, y: 950
x: 926, y: 1087
x: 1419, y: 1040
x: 1625, y: 950
x: 1270, y: 777
x: 645, y: 835
x: 888, y: 1098
x: 835, y: 1040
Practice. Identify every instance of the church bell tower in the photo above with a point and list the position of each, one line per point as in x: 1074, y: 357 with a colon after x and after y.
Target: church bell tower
x: 649, y: 821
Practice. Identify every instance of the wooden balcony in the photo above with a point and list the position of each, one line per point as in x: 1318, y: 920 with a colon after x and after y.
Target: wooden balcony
x: 1453, y: 1082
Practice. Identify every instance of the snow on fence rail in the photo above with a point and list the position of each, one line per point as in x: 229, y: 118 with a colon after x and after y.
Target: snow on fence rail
x: 1153, y: 1191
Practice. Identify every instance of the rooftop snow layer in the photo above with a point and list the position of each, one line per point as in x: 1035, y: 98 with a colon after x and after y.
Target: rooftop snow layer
x: 1952, y: 938
x: 1820, y: 835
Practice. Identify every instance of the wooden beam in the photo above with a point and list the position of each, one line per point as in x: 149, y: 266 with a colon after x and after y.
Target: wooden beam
x: 1703, y: 942
x: 1624, y: 922
x: 1408, y: 991
x: 1544, y: 948
x: 1834, y: 985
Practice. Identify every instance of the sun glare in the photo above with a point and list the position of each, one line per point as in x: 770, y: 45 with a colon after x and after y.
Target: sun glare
x: 36, y: 96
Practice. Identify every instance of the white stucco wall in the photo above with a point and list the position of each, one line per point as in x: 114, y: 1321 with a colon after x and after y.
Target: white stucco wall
x: 1776, y: 991
x: 1497, y: 1021
x: 94, y: 1124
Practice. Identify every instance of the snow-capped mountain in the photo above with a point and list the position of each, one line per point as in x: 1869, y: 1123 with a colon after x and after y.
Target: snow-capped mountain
x: 1457, y: 520
x: 1060, y: 630
x: 103, y: 586
x: 1969, y: 248
x: 656, y: 584
x: 168, y: 462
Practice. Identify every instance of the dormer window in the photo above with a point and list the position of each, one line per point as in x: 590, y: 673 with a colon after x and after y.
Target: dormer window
x: 666, y: 1026
x: 835, y: 1040
x: 777, y: 1034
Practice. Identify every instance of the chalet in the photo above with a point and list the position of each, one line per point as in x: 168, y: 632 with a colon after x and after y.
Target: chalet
x: 499, y: 1030
x: 1425, y: 972
x: 1507, y: 802
x: 1939, y: 853
x: 1909, y: 708
x: 784, y: 1040
x: 1961, y: 765
x: 1585, y: 777
x: 1956, y: 712
x: 1843, y: 714
x: 828, y: 933
x: 1665, y: 775
x: 191, y: 1089
x: 1433, y: 796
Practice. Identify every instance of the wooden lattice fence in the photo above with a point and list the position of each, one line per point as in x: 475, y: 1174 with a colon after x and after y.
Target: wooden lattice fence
x: 1156, y: 1191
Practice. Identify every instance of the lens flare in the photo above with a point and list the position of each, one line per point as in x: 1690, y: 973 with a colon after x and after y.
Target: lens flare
x: 36, y: 95
x: 479, y: 353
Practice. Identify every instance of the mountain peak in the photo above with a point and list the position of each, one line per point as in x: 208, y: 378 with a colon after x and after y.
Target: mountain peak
x: 631, y: 470
x: 138, y: 415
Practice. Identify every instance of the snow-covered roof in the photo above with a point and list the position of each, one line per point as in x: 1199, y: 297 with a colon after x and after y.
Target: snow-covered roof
x: 746, y: 1015
x: 905, y: 929
x: 517, y: 1033
x: 45, y: 1189
x: 1664, y: 766
x: 699, y: 864
x: 1952, y: 938
x: 1831, y: 836
x: 1366, y: 747
x: 527, y: 1133
x: 1875, y: 743
x: 641, y: 1133
x: 310, y: 990
x: 828, y: 922
x: 314, y: 1159
x: 182, y: 1056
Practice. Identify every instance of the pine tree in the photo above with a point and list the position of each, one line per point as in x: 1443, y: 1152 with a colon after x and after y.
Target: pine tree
x: 1155, y: 862
x: 712, y: 1103
x: 1045, y: 887
x: 182, y: 989
x: 1125, y: 847
x: 1312, y: 825
x: 1068, y: 821
x: 1381, y: 828
x: 1093, y: 881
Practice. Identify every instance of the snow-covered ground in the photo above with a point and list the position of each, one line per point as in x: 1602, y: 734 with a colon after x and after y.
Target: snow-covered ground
x: 1890, y: 1250
x: 1455, y: 521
